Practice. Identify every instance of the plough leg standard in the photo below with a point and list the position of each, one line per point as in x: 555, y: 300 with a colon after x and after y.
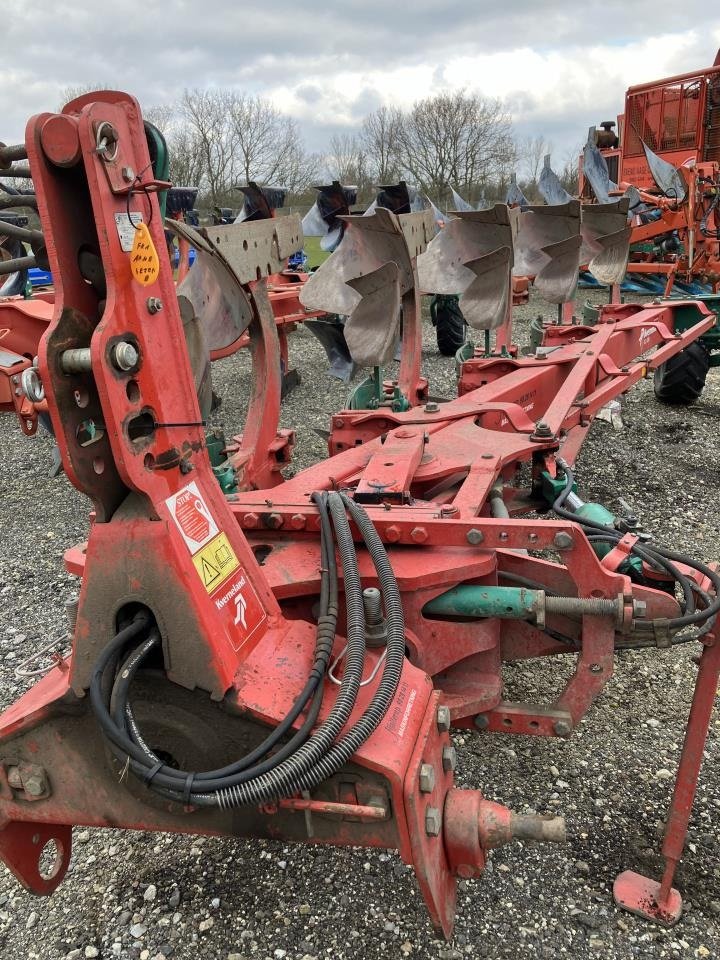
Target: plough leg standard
x: 288, y: 663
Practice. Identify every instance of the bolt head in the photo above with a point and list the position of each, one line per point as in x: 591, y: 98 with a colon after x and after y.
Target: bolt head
x: 418, y: 534
x: 274, y: 521
x: 128, y: 174
x: 297, y: 521
x: 443, y: 719
x: 562, y: 728
x: 392, y: 533
x: 250, y: 520
x: 14, y: 778
x: 125, y: 356
x: 449, y: 758
x: 474, y: 537
x: 431, y: 407
x: 563, y: 541
x: 427, y: 778
x: 34, y: 785
x: 481, y: 722
x: 433, y: 821
x: 154, y: 305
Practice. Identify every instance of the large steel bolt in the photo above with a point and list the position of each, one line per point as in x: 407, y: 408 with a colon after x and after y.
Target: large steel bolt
x: 76, y: 360
x: 443, y: 719
x: 35, y: 784
x: 563, y: 541
x: 427, y: 778
x: 433, y: 821
x: 449, y: 758
x: 474, y: 537
x: 125, y: 356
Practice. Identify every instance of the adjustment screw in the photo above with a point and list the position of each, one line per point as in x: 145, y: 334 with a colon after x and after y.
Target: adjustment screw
x: 562, y: 728
x: 474, y: 537
x: 443, y: 719
x: 563, y: 541
x: 154, y: 305
x: 125, y: 356
x: 433, y: 821
x: 427, y: 778
x: 449, y: 758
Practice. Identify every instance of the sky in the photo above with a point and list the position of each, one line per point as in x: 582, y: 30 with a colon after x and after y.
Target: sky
x: 558, y: 66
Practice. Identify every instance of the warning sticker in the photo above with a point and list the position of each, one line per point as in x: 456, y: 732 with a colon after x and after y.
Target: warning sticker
x: 215, y: 562
x: 192, y: 516
x: 238, y: 599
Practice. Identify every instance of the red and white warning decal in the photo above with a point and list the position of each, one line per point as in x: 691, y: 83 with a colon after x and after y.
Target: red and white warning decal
x: 191, y: 514
x: 237, y: 598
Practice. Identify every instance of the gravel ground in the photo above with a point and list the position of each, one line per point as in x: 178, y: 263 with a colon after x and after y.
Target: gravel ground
x: 152, y: 896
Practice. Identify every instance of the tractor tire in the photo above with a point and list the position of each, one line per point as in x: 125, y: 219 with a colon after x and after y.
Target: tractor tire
x: 681, y: 379
x: 449, y: 325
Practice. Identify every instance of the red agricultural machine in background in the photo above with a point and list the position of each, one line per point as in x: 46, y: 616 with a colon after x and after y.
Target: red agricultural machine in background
x: 288, y: 661
x: 667, y: 153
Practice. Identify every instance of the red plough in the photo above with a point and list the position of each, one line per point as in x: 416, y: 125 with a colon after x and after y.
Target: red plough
x: 288, y: 662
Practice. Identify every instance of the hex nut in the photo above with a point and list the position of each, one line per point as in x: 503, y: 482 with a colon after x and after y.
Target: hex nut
x: 427, y: 778
x: 449, y: 758
x: 474, y: 537
x: 433, y: 821
x: 563, y: 541
x: 443, y: 719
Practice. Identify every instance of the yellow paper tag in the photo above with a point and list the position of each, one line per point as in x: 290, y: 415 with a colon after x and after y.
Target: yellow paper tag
x: 144, y: 262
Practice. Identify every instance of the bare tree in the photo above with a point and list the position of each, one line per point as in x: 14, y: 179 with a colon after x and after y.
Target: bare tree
x: 570, y: 174
x: 345, y: 160
x: 161, y: 115
x: 459, y: 139
x: 268, y: 146
x: 211, y: 138
x: 380, y: 139
x: 531, y: 153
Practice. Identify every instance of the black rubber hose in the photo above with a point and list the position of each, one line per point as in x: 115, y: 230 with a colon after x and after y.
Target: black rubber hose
x: 166, y: 779
x: 659, y: 556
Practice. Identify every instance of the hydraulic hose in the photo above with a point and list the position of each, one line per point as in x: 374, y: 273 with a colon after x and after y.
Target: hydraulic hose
x: 660, y: 558
x: 307, y: 757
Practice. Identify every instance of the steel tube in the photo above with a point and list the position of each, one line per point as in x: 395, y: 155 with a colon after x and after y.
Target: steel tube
x: 20, y: 233
x: 8, y: 155
x: 19, y: 263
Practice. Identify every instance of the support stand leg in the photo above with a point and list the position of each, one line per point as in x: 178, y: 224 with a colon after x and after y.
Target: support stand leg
x: 661, y: 902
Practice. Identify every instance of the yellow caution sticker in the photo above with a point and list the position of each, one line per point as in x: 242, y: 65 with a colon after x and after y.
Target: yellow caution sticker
x: 215, y: 562
x: 144, y: 261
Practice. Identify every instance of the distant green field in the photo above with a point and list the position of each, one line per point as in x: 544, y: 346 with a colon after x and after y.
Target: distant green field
x: 313, y: 252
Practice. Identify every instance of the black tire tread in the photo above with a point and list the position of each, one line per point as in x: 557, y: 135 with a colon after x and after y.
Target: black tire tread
x: 450, y: 329
x: 681, y: 380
